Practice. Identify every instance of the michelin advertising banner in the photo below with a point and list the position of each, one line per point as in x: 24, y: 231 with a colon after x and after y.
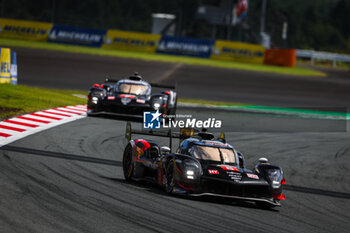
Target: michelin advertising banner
x: 27, y: 30
x: 238, y: 52
x: 76, y: 36
x: 185, y: 46
x: 132, y: 41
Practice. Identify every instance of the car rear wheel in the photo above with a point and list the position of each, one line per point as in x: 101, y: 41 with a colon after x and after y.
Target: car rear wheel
x: 128, y: 166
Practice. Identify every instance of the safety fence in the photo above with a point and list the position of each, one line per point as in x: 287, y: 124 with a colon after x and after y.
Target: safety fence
x: 318, y: 55
x: 134, y: 41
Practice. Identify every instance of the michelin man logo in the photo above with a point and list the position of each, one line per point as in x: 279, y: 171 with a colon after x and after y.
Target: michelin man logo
x: 151, y: 120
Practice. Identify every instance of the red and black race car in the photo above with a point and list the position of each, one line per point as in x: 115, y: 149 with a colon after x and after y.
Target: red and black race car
x: 202, y: 166
x: 130, y: 97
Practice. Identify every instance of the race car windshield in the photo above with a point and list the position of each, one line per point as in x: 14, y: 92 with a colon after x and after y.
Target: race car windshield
x: 135, y: 89
x: 223, y: 155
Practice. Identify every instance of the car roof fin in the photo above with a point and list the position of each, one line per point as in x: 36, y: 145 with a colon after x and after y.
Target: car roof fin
x: 136, y: 77
x: 222, y: 137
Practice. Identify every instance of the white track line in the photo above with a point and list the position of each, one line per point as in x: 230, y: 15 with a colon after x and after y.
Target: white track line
x: 35, y: 122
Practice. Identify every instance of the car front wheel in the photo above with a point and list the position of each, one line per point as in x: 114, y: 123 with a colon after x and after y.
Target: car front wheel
x: 128, y: 166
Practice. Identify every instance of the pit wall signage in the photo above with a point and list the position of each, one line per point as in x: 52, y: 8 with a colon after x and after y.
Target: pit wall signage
x: 27, y: 30
x: 131, y: 41
x: 238, y: 52
x: 76, y: 36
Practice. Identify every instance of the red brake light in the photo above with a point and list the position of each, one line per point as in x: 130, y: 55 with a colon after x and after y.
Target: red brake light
x: 96, y: 85
x: 283, y: 181
x: 280, y: 197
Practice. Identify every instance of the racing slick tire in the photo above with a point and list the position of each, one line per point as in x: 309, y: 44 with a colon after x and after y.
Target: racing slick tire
x: 128, y: 166
x: 169, y: 177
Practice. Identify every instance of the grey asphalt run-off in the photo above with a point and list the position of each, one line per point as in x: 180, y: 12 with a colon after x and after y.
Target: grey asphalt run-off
x: 69, y: 178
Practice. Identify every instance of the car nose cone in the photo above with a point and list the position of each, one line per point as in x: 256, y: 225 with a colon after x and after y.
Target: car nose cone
x: 125, y: 101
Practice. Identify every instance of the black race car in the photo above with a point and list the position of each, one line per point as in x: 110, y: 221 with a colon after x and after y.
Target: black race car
x: 130, y: 97
x: 202, y: 166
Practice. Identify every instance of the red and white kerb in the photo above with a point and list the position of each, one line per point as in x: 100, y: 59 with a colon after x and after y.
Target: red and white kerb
x: 22, y: 126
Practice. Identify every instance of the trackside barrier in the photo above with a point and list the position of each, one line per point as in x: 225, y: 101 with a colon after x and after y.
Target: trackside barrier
x: 131, y: 41
x: 322, y: 56
x: 280, y: 57
x: 238, y: 52
x: 27, y: 30
x: 13, y: 68
x: 76, y: 35
x: 185, y: 46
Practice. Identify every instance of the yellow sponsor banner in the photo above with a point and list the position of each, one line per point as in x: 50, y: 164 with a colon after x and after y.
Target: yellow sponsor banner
x: 5, y: 66
x: 237, y: 51
x: 27, y: 30
x: 133, y: 41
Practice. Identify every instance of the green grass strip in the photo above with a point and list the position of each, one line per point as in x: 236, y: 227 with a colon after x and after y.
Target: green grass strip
x: 298, y: 71
x: 304, y: 113
x: 17, y: 100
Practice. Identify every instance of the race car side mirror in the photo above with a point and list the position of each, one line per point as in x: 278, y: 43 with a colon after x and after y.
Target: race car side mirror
x: 241, y: 159
x: 165, y: 150
x: 263, y: 160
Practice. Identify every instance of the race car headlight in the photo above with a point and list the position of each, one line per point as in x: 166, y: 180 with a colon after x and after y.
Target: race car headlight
x: 190, y: 174
x: 94, y: 100
x: 156, y: 106
x: 156, y: 103
x: 275, y: 176
x: 193, y: 169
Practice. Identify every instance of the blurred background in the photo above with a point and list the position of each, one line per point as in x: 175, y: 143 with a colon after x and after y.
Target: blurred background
x: 313, y: 24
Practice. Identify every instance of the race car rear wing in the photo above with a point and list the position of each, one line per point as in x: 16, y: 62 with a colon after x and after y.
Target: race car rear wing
x: 173, y: 87
x: 184, y: 133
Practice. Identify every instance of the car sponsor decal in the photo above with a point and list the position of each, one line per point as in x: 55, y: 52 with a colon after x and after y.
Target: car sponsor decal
x: 253, y: 176
x: 141, y: 101
x: 213, y: 172
x: 234, y: 175
x: 111, y: 97
x: 229, y: 168
x: 22, y: 126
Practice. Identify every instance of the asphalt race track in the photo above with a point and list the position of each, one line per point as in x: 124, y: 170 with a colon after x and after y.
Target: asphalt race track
x: 75, y: 71
x: 69, y: 178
